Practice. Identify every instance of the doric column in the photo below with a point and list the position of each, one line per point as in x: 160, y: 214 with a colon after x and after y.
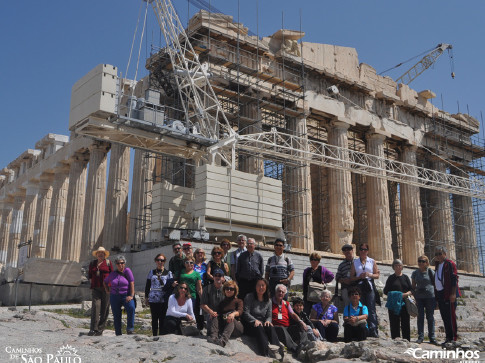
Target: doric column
x: 76, y: 195
x: 57, y: 213
x: 251, y: 124
x: 41, y: 226
x: 16, y: 228
x: 28, y: 221
x: 7, y: 209
x: 465, y: 232
x: 411, y: 214
x: 141, y: 194
x: 298, y: 195
x: 441, y: 225
x: 379, y: 226
x: 95, y: 199
x: 115, y: 217
x: 340, y: 191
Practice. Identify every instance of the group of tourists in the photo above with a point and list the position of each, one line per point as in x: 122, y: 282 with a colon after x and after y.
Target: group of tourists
x: 236, y: 293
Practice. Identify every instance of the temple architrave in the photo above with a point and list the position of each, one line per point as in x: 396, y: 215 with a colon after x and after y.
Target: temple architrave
x: 70, y: 194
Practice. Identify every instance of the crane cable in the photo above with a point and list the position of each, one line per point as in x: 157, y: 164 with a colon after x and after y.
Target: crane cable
x: 406, y: 61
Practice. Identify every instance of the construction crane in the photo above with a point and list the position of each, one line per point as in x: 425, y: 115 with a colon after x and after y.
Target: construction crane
x: 427, y: 61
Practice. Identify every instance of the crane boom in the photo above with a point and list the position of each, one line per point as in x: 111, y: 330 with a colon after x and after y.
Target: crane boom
x: 427, y: 61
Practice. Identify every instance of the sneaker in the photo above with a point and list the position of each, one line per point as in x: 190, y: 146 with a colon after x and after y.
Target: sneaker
x: 213, y: 340
x: 130, y: 332
x: 433, y: 341
x: 446, y: 342
x: 419, y: 341
x: 98, y: 333
x: 91, y: 333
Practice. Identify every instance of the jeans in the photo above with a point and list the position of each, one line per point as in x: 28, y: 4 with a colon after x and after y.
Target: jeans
x: 427, y: 304
x: 117, y: 301
x: 369, y: 300
x: 329, y: 332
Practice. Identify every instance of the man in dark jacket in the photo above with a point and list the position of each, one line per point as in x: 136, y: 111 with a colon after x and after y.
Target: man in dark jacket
x: 446, y: 292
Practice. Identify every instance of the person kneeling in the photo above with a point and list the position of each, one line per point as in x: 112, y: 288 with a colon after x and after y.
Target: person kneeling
x: 355, y: 318
x: 179, y: 309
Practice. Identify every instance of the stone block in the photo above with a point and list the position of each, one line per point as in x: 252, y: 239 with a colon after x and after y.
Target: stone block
x: 11, y: 274
x: 54, y: 272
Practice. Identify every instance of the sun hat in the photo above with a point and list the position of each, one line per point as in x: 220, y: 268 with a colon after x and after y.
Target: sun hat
x: 101, y: 249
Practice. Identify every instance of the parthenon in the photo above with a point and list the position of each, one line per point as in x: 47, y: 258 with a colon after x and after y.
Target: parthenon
x: 63, y: 196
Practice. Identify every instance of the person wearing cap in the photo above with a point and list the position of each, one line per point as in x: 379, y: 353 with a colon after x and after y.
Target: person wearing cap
x: 176, y: 263
x: 212, y: 296
x: 187, y: 250
x: 98, y: 270
x: 343, y: 273
x: 279, y: 268
x: 315, y: 273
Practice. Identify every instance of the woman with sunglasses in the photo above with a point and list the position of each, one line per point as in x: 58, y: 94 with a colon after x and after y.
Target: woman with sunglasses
x: 157, y: 291
x: 315, y: 273
x: 363, y: 272
x: 215, y: 263
x: 423, y: 286
x: 179, y: 308
x: 121, y: 286
x: 229, y: 311
x: 194, y: 282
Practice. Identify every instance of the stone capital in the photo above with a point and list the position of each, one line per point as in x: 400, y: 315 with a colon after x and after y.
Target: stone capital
x: 375, y: 136
x: 338, y: 124
x: 99, y: 146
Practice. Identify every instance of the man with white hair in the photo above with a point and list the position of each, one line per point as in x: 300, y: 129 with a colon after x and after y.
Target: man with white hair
x: 250, y: 268
x: 241, y: 247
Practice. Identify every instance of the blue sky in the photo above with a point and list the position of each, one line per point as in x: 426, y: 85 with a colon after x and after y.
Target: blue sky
x: 48, y: 45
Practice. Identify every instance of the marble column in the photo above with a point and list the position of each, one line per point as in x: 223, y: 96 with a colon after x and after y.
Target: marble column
x: 41, y: 226
x: 298, y: 195
x: 7, y: 210
x: 115, y: 217
x: 465, y: 232
x: 57, y: 213
x: 76, y: 195
x: 247, y: 163
x: 379, y: 227
x: 16, y: 228
x: 441, y: 224
x: 340, y: 191
x: 411, y: 214
x: 141, y: 194
x: 28, y: 221
x: 94, y: 207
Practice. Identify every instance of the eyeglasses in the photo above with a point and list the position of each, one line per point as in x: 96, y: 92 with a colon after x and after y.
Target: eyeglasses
x: 187, y: 248
x: 281, y: 292
x: 160, y: 260
x: 363, y: 249
x: 355, y: 294
x: 189, y: 262
x: 176, y: 248
x: 225, y: 244
x: 421, y: 261
x: 278, y: 245
x: 315, y: 259
x: 120, y: 263
x: 347, y: 249
x: 217, y: 253
x: 229, y: 289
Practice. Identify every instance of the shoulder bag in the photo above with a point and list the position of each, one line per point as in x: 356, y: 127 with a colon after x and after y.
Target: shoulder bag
x: 411, y: 307
x: 314, y: 290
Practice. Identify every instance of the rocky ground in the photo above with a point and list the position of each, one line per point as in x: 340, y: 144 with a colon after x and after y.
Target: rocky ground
x: 58, y: 334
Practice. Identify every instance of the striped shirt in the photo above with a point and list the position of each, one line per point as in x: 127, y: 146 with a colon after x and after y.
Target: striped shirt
x: 343, y: 272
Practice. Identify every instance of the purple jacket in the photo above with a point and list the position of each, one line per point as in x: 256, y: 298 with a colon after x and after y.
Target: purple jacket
x: 325, y: 276
x: 119, y: 282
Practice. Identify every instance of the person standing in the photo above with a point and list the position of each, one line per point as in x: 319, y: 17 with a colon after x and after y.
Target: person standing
x: 194, y: 282
x: 343, y: 273
x: 250, y: 269
x: 315, y: 273
x: 364, y: 271
x: 446, y: 292
x: 176, y: 263
x: 422, y: 280
x: 398, y: 282
x: 157, y: 292
x: 121, y: 286
x: 241, y: 247
x: 187, y: 250
x: 99, y: 269
x: 226, y: 255
x: 279, y: 269
x: 215, y: 263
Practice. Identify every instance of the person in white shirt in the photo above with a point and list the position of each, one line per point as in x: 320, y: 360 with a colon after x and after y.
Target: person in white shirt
x: 179, y: 308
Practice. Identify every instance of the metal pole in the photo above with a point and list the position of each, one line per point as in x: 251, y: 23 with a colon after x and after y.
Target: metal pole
x: 30, y: 296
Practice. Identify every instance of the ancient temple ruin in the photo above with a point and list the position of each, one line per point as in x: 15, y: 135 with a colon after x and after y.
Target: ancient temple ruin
x: 62, y: 196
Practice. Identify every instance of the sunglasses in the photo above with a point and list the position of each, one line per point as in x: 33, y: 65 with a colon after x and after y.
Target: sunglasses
x: 363, y: 249
x: 218, y: 275
x: 314, y: 259
x: 217, y: 253
x: 189, y: 262
x: 229, y: 288
x: 183, y: 288
x: 225, y: 244
x: 347, y: 249
x: 187, y: 248
x: 120, y: 263
x: 176, y: 249
x: 421, y: 261
x: 160, y: 260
